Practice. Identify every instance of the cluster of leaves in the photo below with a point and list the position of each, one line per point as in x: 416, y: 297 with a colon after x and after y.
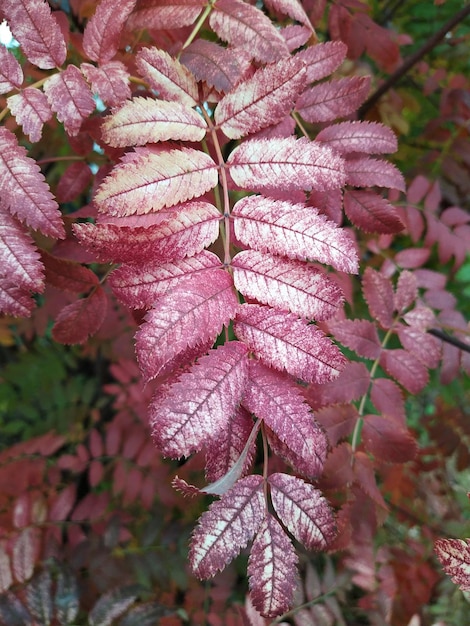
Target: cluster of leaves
x: 214, y: 193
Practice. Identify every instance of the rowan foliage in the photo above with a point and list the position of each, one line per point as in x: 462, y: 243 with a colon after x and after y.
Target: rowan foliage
x: 209, y: 184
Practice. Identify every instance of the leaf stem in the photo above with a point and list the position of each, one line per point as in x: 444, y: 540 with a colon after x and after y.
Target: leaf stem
x: 198, y: 25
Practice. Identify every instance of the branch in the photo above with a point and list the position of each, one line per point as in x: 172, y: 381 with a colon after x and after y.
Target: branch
x: 440, y: 334
x: 413, y: 59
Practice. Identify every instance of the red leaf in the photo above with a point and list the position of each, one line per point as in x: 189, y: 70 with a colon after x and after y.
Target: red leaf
x: 263, y: 100
x: 286, y: 342
x: 293, y: 230
x: 26, y: 553
x: 110, y: 81
x: 303, y: 510
x: 358, y: 335
x: 146, y: 120
x: 291, y: 8
x: 365, y: 172
x: 352, y: 383
x: 338, y: 421
x: 405, y: 368
x: 70, y: 98
x: 62, y: 504
x: 192, y: 313
x: 371, y: 213
x: 272, y: 568
x: 102, y: 33
x: 37, y: 30
x: 366, y: 480
x: 221, y: 68
x: 338, y: 470
x: 378, y: 293
x: 11, y: 72
x: 406, y: 291
x: 387, y: 397
x: 168, y: 76
x: 200, y: 405
x: 242, y: 24
x: 77, y: 321
x: 367, y: 137
x: 139, y: 286
x: 322, y: 59
x: 74, y: 181
x: 277, y: 400
x: 67, y: 275
x: 388, y: 442
x: 412, y: 258
x: 180, y: 233
x: 333, y: 99
x: 454, y: 555
x: 286, y: 284
x: 164, y: 14
x: 146, y: 181
x: 25, y: 192
x: 227, y: 527
x: 287, y: 163
x: 112, y: 605
x: 421, y: 344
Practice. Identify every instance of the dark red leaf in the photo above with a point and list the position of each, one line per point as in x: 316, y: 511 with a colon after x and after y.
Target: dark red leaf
x: 405, y: 368
x: 371, y: 213
x: 388, y: 442
x: 102, y: 33
x: 358, y: 335
x: 77, y: 321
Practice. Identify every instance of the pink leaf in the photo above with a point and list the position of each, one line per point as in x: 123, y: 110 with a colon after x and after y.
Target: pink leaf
x: 183, y: 232
x: 412, y: 258
x: 168, y: 76
x: 68, y: 275
x: 286, y: 163
x: 77, y: 321
x: 286, y: 284
x: 227, y: 527
x: 102, y: 32
x: 333, y: 99
x: 242, y: 24
x: 322, y: 59
x: 277, y: 400
x: 291, y: 8
x: 164, y: 14
x: 371, y: 213
x: 200, y: 405
x: 405, y: 368
x: 378, y: 292
x: 352, y: 383
x: 70, y: 98
x: 263, y: 100
x: 31, y: 109
x: 358, y: 335
x: 365, y: 172
x: 26, y: 553
x: 388, y: 442
x: 37, y: 30
x: 24, y: 190
x: 74, y: 181
x: 62, y: 504
x: 286, y: 342
x: 146, y: 120
x: 303, y: 510
x: 221, y: 68
x: 293, y: 230
x: 367, y: 137
x: 190, y: 314
x: 296, y: 36
x: 139, y: 286
x: 454, y: 555
x: 150, y: 181
x: 421, y: 344
x: 11, y: 73
x: 272, y: 568
x: 110, y: 81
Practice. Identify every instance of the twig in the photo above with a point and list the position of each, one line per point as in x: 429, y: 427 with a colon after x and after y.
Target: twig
x: 440, y: 334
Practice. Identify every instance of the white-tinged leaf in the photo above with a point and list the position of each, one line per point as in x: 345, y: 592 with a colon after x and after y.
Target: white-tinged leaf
x: 11, y: 72
x: 286, y: 163
x: 26, y: 548
x: 70, y: 98
x: 303, y: 510
x: 332, y: 99
x: 287, y: 284
x: 109, y: 81
x: 286, y: 342
x: 33, y: 25
x: 292, y: 8
x: 272, y: 568
x: 293, y: 230
x: 168, y: 76
x: 164, y: 14
x: 454, y: 555
x: 183, y: 232
x: 31, y: 109
x: 149, y: 181
x: 138, y: 285
x: 192, y: 313
x: 241, y: 24
x: 365, y: 172
x: 39, y: 597
x: 322, y: 59
x: 6, y: 579
x: 103, y: 31
x: 277, y: 400
x: 112, y: 605
x: 146, y: 120
x: 25, y: 192
x: 202, y: 402
x: 368, y: 137
x: 227, y: 527
x: 263, y: 100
